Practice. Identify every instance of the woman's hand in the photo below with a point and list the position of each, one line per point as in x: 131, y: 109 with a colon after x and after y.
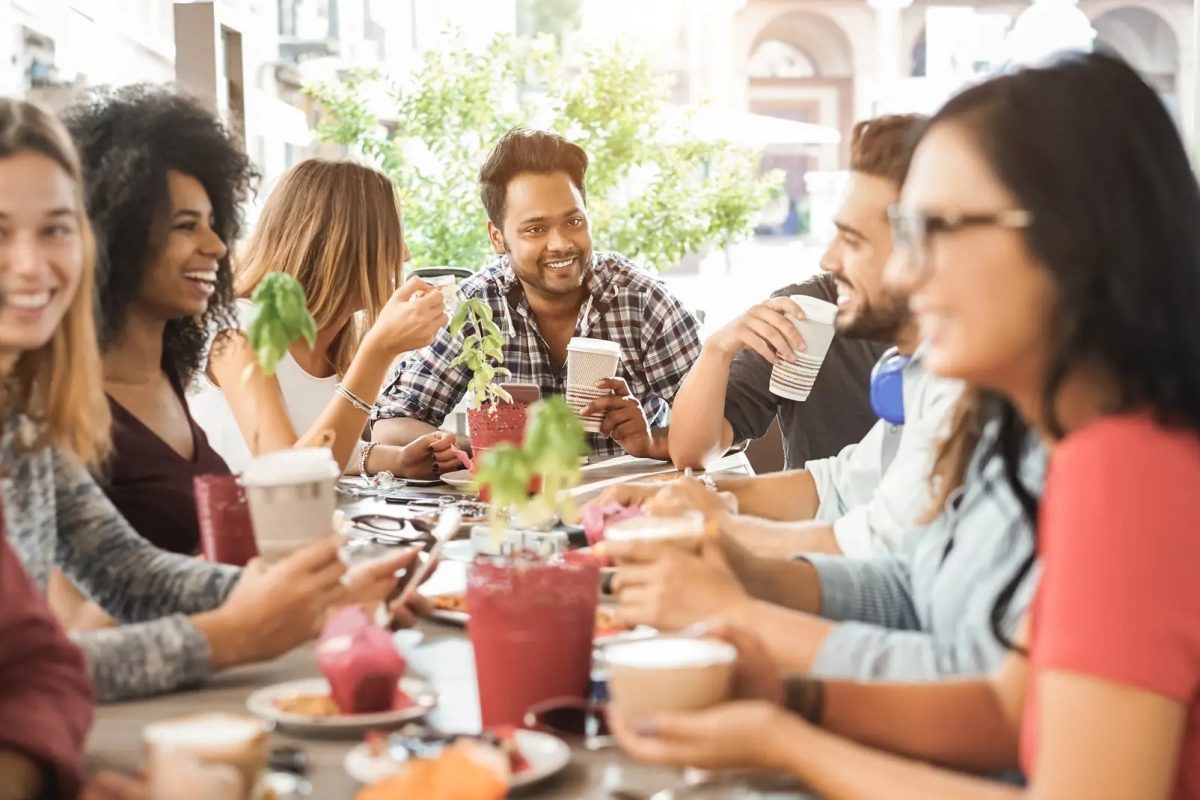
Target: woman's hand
x: 410, y: 320
x: 424, y: 458
x: 743, y: 734
x: 690, y: 494
x: 659, y: 584
x: 628, y: 494
x: 274, y: 609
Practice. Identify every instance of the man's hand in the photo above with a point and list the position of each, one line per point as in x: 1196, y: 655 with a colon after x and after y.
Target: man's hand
x: 766, y: 329
x: 661, y: 585
x: 625, y: 420
x: 636, y: 493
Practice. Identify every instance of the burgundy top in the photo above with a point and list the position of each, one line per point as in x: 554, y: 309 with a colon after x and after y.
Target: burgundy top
x: 151, y: 484
x: 46, y: 696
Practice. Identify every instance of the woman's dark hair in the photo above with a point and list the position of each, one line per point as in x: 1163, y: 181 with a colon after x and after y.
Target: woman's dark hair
x: 128, y: 139
x: 524, y: 150
x: 1088, y: 148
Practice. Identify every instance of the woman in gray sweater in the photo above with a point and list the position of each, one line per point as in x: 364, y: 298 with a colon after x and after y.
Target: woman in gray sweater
x: 179, y: 618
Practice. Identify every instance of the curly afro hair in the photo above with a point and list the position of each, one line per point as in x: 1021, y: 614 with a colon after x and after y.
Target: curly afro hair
x: 128, y: 139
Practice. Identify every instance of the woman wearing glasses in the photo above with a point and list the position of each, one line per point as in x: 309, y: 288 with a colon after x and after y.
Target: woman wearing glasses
x: 1052, y: 245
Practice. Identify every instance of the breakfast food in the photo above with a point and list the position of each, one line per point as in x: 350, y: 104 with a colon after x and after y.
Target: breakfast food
x: 596, y: 519
x: 309, y: 705
x: 360, y: 662
x: 607, y: 621
x: 468, y: 769
x: 451, y: 602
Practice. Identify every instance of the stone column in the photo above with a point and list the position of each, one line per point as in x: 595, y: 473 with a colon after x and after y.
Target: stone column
x: 891, y: 59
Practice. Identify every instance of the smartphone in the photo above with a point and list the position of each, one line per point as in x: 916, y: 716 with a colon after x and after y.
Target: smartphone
x: 402, y: 497
x: 527, y: 393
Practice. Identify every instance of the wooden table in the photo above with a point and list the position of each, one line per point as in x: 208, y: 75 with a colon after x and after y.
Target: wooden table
x: 444, y: 656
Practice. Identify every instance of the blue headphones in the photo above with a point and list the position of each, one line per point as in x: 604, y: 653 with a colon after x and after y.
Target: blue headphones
x: 887, y: 386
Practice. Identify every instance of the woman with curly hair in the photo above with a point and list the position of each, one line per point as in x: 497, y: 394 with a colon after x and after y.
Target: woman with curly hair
x: 334, y: 226
x: 180, y: 618
x: 164, y: 184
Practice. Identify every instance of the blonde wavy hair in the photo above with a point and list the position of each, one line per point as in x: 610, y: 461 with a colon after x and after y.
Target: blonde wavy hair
x: 335, y: 227
x: 60, y: 386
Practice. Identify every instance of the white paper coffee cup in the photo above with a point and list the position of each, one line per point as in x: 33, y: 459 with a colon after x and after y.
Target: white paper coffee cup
x: 291, y: 494
x: 589, y: 361
x: 794, y: 380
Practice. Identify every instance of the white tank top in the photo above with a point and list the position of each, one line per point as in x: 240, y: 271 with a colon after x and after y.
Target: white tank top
x: 304, y: 397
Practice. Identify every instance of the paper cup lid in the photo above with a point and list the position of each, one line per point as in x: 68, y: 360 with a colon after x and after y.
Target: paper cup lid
x: 816, y: 309
x: 599, y: 346
x: 287, y: 467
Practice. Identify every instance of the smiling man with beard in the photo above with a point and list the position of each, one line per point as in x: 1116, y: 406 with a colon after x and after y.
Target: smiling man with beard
x: 548, y: 286
x: 861, y: 500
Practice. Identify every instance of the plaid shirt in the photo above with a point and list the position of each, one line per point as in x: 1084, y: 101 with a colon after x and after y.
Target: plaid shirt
x: 659, y: 342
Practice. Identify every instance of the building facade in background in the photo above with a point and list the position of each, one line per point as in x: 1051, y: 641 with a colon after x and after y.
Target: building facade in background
x: 824, y: 62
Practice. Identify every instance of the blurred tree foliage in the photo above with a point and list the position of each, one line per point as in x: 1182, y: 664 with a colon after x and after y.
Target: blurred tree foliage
x: 656, y: 192
x: 554, y: 17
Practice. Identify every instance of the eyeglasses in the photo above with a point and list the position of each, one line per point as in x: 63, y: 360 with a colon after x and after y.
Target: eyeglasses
x: 913, y: 229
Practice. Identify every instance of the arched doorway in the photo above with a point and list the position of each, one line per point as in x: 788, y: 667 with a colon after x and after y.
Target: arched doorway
x: 1146, y: 41
x: 801, y: 67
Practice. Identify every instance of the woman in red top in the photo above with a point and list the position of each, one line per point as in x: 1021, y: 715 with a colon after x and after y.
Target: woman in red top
x: 46, y: 697
x: 1050, y: 228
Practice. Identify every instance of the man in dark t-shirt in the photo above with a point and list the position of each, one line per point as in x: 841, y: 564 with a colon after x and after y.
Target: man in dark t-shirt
x: 836, y: 413
x: 733, y: 373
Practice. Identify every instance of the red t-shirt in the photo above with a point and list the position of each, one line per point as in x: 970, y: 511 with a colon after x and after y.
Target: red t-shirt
x: 1119, y: 597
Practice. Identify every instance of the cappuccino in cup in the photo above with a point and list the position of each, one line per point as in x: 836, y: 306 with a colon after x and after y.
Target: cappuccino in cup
x: 669, y: 674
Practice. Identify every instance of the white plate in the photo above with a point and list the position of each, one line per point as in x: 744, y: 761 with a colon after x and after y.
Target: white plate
x: 459, y: 550
x: 459, y: 479
x: 547, y: 755
x: 262, y: 704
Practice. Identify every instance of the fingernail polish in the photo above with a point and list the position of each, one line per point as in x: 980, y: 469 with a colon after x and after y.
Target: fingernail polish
x: 645, y: 726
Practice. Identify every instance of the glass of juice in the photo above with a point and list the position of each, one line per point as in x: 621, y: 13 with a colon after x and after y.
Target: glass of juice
x: 531, y: 625
x: 226, y: 533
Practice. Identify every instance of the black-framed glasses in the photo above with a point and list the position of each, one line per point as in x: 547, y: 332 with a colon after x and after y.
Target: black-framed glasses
x: 913, y: 229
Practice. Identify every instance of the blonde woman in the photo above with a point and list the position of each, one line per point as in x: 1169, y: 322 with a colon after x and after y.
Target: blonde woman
x: 335, y: 226
x: 180, y: 618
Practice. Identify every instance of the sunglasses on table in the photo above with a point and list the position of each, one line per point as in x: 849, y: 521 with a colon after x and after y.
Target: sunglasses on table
x: 395, y: 530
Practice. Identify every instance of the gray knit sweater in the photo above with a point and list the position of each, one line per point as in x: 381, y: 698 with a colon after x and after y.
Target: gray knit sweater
x: 58, y: 516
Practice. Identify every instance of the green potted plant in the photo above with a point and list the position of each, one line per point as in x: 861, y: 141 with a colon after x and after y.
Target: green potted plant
x: 280, y: 317
x: 493, y: 417
x: 527, y: 484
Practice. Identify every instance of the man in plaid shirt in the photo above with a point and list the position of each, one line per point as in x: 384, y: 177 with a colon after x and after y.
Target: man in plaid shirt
x: 547, y: 286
